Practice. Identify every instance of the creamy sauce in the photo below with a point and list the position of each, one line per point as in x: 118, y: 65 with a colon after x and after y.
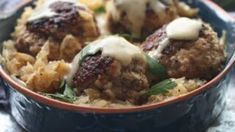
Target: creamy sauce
x: 157, y: 6
x: 136, y: 10
x: 184, y: 29
x: 45, y: 11
x: 112, y: 46
x: 102, y: 24
x: 158, y: 52
x: 120, y: 49
x: 179, y: 29
x: 73, y: 69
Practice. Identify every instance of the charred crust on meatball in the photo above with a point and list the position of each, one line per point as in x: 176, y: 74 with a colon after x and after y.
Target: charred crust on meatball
x: 101, y: 75
x: 152, y: 42
x: 57, y: 26
x: 69, y: 19
x: 90, y: 68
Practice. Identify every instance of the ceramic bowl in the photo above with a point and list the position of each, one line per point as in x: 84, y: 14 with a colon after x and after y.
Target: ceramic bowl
x: 192, y: 112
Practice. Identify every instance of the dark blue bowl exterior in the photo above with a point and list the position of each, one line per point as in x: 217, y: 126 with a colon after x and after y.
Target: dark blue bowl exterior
x: 193, y: 115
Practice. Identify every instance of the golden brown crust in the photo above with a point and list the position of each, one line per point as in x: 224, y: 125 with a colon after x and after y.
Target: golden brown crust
x: 44, y: 76
x: 103, y: 77
x: 202, y: 58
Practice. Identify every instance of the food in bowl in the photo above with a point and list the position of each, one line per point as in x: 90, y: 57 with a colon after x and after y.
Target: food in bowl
x: 187, y: 54
x: 111, y: 68
x: 76, y: 63
x: 64, y: 24
x: 143, y: 17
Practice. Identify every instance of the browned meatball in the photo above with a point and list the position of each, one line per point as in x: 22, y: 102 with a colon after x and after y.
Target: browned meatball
x: 69, y: 19
x: 102, y: 76
x: 151, y: 21
x: 202, y: 58
x: 29, y: 43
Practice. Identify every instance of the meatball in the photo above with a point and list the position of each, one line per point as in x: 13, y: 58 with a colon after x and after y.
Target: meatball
x: 53, y: 22
x: 141, y: 17
x: 200, y: 58
x: 116, y: 75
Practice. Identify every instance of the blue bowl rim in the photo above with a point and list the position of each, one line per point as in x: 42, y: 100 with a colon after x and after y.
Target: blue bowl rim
x: 92, y: 109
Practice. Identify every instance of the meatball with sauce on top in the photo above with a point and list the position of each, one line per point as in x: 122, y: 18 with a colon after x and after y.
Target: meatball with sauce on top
x: 187, y: 48
x: 143, y: 17
x: 139, y: 17
x: 65, y: 24
x: 110, y: 68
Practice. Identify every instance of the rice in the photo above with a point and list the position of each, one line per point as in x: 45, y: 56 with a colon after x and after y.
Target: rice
x: 85, y: 101
x: 183, y: 87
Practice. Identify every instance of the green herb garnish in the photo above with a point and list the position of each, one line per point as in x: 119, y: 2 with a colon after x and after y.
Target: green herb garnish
x: 61, y: 97
x: 100, y: 10
x: 161, y: 88
x: 67, y: 96
x: 86, y: 51
x: 155, y: 68
x: 68, y: 92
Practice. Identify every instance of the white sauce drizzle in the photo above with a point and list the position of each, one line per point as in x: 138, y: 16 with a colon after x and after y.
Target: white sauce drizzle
x: 120, y: 49
x: 135, y: 10
x: 102, y: 24
x: 157, y: 6
x: 112, y: 46
x: 158, y: 52
x: 45, y: 11
x: 179, y: 29
x: 184, y: 29
x: 73, y: 69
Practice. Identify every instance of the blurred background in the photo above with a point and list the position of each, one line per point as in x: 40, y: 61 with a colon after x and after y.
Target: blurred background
x: 229, y: 5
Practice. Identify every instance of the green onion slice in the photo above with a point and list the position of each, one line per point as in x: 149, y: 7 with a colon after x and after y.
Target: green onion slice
x: 86, y: 51
x: 155, y: 68
x: 100, y: 10
x: 61, y: 97
x: 68, y: 92
x: 67, y: 96
x: 161, y: 88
